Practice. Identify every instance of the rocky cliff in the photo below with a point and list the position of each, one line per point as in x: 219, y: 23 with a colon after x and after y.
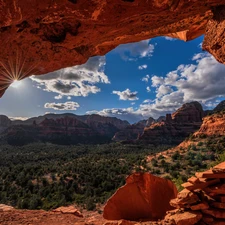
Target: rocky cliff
x: 39, y: 33
x: 212, y: 125
x: 176, y: 127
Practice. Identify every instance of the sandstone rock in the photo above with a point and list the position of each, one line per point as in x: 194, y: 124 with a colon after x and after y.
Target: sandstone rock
x: 5, y: 208
x: 184, y: 199
x: 175, y: 128
x: 200, y: 185
x: 185, y: 218
x: 212, y: 125
x: 207, y: 219
x: 143, y: 197
x: 209, y: 174
x: 193, y: 180
x: 189, y: 112
x: 200, y: 206
x: 69, y: 210
x: 220, y: 168
x: 214, y: 34
x: 220, y: 214
x: 46, y: 31
x: 222, y: 199
x: 218, y: 205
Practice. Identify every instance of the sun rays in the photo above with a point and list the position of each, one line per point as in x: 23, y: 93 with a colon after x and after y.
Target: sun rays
x: 15, y: 69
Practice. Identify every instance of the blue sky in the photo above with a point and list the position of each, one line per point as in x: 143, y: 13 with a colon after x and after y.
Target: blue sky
x: 132, y: 82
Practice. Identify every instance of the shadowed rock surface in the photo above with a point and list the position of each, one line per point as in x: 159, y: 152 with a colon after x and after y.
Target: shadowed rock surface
x: 49, y: 35
x: 60, y: 129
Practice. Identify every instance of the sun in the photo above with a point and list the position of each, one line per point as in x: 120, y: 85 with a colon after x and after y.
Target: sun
x: 16, y: 83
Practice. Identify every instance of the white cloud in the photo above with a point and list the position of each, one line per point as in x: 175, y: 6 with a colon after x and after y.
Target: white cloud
x: 133, y: 51
x: 142, y: 67
x: 68, y: 97
x: 58, y: 97
x: 157, y: 81
x: 200, y: 45
x: 79, y: 80
x: 62, y: 106
x: 126, y: 95
x: 148, y: 89
x: 146, y: 78
x: 163, y: 90
x: 170, y: 38
x: 202, y: 81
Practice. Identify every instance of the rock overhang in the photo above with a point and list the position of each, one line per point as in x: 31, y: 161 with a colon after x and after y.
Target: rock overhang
x: 45, y: 36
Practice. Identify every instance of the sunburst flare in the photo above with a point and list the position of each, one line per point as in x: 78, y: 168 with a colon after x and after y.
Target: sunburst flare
x: 14, y: 70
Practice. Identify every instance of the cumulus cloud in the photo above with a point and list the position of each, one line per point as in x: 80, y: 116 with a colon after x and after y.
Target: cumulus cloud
x: 146, y: 78
x: 163, y: 90
x: 201, y: 81
x: 142, y: 67
x: 133, y: 51
x: 148, y: 89
x: 62, y: 106
x: 78, y: 80
x: 126, y: 95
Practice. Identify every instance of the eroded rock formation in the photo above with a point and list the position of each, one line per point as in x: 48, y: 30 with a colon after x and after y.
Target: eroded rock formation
x: 48, y: 35
x: 202, y: 199
x: 144, y: 196
x: 176, y: 127
x: 212, y: 125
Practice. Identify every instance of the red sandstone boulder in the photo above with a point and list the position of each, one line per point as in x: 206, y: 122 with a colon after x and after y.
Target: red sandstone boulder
x: 5, y: 208
x: 69, y: 210
x: 144, y: 196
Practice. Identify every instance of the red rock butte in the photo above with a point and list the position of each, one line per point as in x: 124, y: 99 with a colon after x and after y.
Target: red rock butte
x: 44, y: 35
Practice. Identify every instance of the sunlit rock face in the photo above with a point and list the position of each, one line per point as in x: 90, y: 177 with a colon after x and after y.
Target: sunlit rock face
x: 144, y: 196
x: 48, y: 35
x: 176, y: 127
